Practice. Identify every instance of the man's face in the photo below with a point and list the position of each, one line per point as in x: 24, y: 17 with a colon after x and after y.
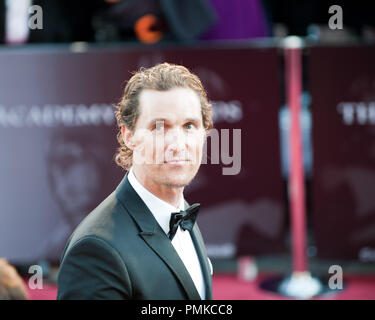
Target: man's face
x: 168, y: 138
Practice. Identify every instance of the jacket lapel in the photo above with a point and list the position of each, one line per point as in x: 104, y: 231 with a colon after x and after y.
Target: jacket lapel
x: 155, y: 237
x: 202, y: 256
x: 164, y: 249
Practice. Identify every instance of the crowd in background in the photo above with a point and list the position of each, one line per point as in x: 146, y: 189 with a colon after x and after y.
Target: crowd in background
x: 153, y: 21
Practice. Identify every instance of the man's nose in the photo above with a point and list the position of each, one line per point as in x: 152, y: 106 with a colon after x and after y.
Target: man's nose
x: 176, y: 140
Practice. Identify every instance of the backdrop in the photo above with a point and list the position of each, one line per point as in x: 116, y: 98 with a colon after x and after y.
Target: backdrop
x: 58, y: 140
x: 342, y: 86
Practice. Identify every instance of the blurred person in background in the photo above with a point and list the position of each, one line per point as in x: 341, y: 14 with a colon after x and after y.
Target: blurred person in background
x: 311, y: 17
x: 153, y: 21
x: 145, y: 21
x: 62, y: 20
x: 12, y: 286
x: 238, y: 20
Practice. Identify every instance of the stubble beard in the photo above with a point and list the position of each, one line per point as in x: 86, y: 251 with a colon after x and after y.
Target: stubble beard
x: 180, y: 183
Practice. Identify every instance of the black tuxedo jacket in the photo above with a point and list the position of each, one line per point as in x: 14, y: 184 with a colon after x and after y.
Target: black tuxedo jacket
x: 119, y: 251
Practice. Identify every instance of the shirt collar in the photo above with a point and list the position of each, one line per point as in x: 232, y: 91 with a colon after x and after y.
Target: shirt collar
x: 159, y: 208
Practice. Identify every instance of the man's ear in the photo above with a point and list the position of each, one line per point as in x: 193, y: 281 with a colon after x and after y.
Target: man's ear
x: 127, y: 137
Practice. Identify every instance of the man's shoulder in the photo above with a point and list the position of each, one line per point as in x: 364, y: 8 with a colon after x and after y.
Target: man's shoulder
x: 108, y: 220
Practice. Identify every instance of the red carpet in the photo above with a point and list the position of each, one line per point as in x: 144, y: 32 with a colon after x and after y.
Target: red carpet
x: 228, y: 287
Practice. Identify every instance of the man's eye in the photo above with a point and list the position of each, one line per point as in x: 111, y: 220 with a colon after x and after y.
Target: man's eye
x: 189, y: 125
x: 159, y: 126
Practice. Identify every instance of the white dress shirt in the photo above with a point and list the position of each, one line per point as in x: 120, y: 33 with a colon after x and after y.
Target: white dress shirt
x: 182, y: 241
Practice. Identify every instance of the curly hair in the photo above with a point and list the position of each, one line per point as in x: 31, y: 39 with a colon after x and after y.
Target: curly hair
x: 162, y: 77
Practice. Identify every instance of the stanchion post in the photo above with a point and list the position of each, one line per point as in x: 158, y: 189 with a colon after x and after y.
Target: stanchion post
x: 293, y: 81
x: 300, y: 284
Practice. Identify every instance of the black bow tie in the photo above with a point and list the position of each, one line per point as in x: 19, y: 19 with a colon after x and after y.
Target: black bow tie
x: 185, y: 219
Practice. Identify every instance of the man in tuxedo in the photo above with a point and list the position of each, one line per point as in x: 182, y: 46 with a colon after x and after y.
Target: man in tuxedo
x: 142, y: 241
